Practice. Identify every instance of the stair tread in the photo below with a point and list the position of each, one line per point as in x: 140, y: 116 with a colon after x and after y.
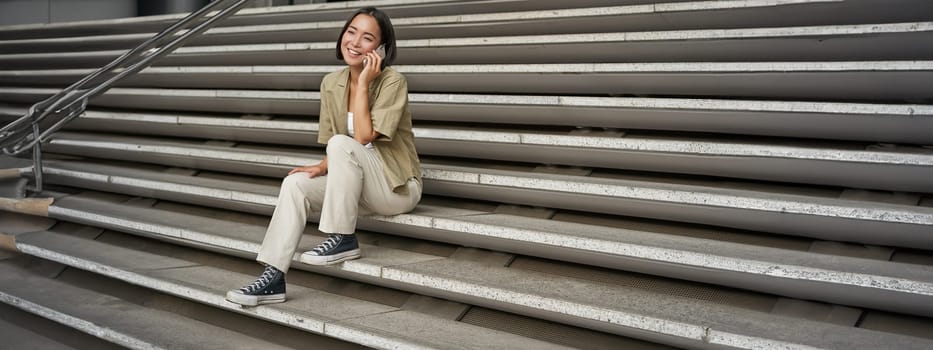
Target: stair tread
x: 874, y: 122
x: 307, y: 309
x: 749, y: 106
x: 222, y: 233
x: 692, y: 156
x: 605, y: 194
x: 680, y: 318
x: 693, y: 253
x: 633, y: 308
x: 828, y: 81
x: 583, y: 185
x: 685, y: 145
x: 307, y: 12
x: 562, y: 101
x: 811, y: 214
x: 114, y: 319
x: 17, y: 337
x: 663, y: 35
x: 755, y: 12
x: 706, y: 44
x: 412, y: 71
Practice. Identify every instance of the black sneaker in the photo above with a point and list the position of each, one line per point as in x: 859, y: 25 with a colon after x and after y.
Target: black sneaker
x: 268, y: 288
x: 334, y: 249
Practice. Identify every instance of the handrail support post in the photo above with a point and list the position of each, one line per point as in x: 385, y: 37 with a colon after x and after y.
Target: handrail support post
x: 37, y: 160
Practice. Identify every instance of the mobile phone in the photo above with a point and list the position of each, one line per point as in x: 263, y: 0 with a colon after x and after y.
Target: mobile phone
x: 381, y: 51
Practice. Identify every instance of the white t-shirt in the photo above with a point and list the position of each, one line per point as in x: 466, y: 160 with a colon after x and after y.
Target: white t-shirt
x: 350, y: 129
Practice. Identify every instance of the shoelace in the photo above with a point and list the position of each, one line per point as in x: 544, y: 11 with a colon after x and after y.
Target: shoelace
x: 260, y: 282
x: 328, y: 244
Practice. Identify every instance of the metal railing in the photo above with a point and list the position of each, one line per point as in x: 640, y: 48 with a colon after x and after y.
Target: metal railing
x: 48, y: 116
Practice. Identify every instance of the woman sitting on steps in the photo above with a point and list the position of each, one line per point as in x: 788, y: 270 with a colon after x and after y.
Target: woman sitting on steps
x: 371, y: 166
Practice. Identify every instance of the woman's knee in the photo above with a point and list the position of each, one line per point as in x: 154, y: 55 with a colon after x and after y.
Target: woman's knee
x: 339, y: 143
x: 294, y: 181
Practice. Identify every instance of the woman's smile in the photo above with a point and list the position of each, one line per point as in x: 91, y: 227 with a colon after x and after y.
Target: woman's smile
x: 354, y: 54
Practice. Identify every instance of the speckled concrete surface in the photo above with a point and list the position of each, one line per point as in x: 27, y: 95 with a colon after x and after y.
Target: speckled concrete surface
x: 682, y: 194
x: 690, y: 252
x: 116, y: 320
x: 821, y: 109
x: 630, y: 308
x: 307, y: 309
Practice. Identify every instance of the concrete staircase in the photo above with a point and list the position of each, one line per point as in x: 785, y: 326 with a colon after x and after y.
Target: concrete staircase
x: 748, y: 174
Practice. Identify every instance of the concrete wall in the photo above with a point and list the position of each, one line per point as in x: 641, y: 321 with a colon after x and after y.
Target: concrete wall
x: 149, y: 8
x: 49, y: 11
x: 266, y: 3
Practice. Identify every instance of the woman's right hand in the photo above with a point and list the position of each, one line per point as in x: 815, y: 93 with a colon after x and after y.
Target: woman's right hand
x: 312, y: 170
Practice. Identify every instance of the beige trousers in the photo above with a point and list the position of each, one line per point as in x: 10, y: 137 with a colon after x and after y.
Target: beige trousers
x: 354, y: 185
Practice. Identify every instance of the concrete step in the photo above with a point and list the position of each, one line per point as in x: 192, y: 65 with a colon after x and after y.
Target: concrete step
x: 659, y: 16
x: 114, y: 319
x: 848, y: 81
x: 897, y: 123
x: 24, y: 330
x: 535, y: 328
x: 698, y: 54
x: 354, y: 320
x: 854, y: 165
x: 819, y: 215
x: 18, y: 337
x: 874, y: 284
x: 889, y: 41
x: 240, y: 196
x: 670, y: 320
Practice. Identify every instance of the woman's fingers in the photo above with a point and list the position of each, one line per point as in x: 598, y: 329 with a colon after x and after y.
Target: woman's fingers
x: 371, y: 68
x: 373, y: 61
x: 377, y: 60
x: 312, y: 171
x: 301, y: 169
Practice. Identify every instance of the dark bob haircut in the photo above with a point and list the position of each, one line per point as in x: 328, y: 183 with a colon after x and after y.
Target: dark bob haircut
x: 385, y: 26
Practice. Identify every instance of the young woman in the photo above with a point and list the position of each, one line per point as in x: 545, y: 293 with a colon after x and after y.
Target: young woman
x: 371, y: 166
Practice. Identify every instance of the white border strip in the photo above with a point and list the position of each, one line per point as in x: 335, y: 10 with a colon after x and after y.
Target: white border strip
x: 718, y: 149
x: 687, y: 258
x: 167, y: 231
x: 889, y: 215
x: 560, y: 68
x: 630, y: 250
x: 681, y: 330
x: 821, y: 109
x: 183, y: 291
x: 597, y: 38
x: 904, y: 216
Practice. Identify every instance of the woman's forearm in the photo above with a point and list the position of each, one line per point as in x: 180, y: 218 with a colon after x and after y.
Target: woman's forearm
x: 363, y: 131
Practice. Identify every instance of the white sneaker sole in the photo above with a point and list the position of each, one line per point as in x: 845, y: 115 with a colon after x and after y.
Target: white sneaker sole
x: 309, y: 259
x: 253, y: 300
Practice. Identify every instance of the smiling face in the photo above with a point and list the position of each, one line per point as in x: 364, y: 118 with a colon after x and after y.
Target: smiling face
x: 362, y: 35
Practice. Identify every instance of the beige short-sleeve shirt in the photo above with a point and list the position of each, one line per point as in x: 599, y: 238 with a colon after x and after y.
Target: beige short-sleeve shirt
x: 388, y: 105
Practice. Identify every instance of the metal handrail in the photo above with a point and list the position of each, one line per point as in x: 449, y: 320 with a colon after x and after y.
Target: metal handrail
x: 56, y: 111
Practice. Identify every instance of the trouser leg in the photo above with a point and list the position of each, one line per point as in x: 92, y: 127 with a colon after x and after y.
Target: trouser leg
x: 298, y: 196
x: 356, y: 184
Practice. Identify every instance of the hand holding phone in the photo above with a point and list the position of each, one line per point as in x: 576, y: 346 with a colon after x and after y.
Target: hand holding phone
x: 381, y: 51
